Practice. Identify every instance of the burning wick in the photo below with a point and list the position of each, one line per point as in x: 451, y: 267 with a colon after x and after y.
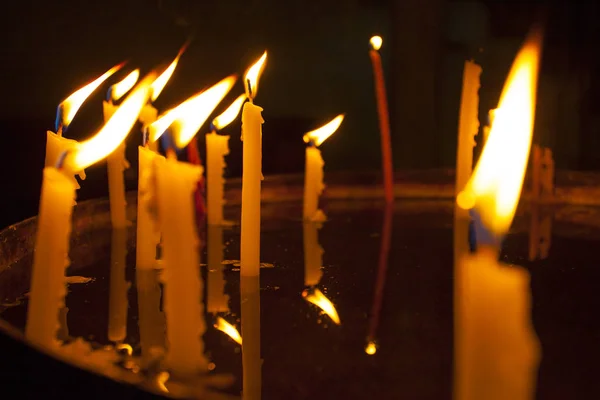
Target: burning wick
x: 371, y: 348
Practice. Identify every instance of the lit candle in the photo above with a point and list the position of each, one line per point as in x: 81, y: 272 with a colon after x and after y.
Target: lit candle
x: 251, y: 361
x: 313, y: 254
x: 216, y: 299
x: 54, y: 220
x: 384, y: 119
x: 313, y: 176
x: 116, y: 161
x: 217, y: 147
x: 175, y: 185
x: 251, y: 173
x: 497, y: 352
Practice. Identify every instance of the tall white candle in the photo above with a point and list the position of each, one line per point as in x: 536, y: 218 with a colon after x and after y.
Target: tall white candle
x: 216, y: 299
x: 313, y: 254
x: 176, y: 182
x: 251, y: 361
x: 119, y: 287
x: 116, y: 165
x: 148, y: 234
x: 251, y: 174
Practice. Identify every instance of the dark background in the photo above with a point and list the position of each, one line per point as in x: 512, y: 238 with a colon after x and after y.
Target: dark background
x: 318, y: 66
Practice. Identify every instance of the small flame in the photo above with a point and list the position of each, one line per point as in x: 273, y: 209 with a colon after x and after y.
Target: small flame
x: 229, y: 330
x: 230, y: 114
x: 252, y: 76
x: 321, y: 134
x: 371, y: 348
x: 160, y: 82
x: 186, y: 118
x: 495, y: 186
x: 119, y: 89
x: 115, y: 130
x: 126, y: 347
x: 71, y: 104
x: 376, y: 42
x: 317, y: 298
x: 162, y: 378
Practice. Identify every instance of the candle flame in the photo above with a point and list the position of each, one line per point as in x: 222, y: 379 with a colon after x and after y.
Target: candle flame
x: 112, y: 134
x: 71, y: 104
x: 160, y: 82
x: 321, y: 134
x: 230, y: 113
x: 119, y: 89
x: 317, y: 298
x: 252, y: 76
x: 188, y: 117
x: 228, y: 329
x: 376, y: 42
x: 495, y: 186
x: 371, y: 348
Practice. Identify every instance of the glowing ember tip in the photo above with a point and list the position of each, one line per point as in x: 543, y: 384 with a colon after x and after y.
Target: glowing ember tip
x: 321, y: 134
x: 371, y: 348
x: 114, y: 131
x: 229, y: 330
x: 376, y: 42
x: 316, y: 297
x: 230, y: 113
x: 495, y: 186
x: 252, y: 76
x: 71, y: 104
x: 119, y: 89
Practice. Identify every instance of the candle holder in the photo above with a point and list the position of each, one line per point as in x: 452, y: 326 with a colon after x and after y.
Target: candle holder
x: 302, y: 349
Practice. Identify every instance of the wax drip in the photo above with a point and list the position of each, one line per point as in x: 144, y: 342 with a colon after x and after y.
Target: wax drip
x: 250, y: 97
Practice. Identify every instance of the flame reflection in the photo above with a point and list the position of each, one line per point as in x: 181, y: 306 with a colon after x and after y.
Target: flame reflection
x: 316, y: 297
x: 228, y: 329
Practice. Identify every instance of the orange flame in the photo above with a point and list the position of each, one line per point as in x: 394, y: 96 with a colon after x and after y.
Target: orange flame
x: 71, y: 104
x: 371, y: 348
x: 119, y: 89
x: 188, y: 117
x: 114, y: 131
x: 376, y: 42
x: 317, y: 298
x: 229, y: 330
x: 321, y: 134
x: 495, y: 186
x: 160, y: 82
x: 252, y: 76
x: 230, y: 113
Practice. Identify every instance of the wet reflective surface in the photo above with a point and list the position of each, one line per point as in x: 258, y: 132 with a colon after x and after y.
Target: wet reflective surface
x: 396, y: 297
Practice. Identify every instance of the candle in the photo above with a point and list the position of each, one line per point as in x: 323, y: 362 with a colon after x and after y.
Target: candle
x: 176, y: 182
x: 313, y: 254
x: 384, y: 119
x: 216, y: 299
x: 54, y: 220
x: 148, y: 234
x: 468, y: 123
x: 118, y: 304
x: 116, y: 161
x: 313, y: 176
x: 151, y: 318
x: 251, y: 361
x: 57, y: 145
x: 217, y: 147
x: 497, y: 352
x: 251, y: 173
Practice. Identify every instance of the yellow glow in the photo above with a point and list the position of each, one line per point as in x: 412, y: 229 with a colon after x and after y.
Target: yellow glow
x: 321, y: 134
x: 317, y: 298
x: 161, y: 379
x: 71, y: 104
x: 188, y: 117
x: 376, y: 42
x: 114, y: 131
x: 495, y: 186
x: 371, y: 348
x: 119, y: 89
x: 230, y: 114
x: 228, y: 329
x: 160, y: 82
x: 126, y: 347
x: 252, y: 75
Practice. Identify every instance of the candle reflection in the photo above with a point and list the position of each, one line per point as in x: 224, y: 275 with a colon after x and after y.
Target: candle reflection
x: 151, y: 318
x: 117, y: 309
x: 540, y: 233
x: 251, y: 361
x: 216, y: 299
x: 313, y: 253
x: 384, y: 251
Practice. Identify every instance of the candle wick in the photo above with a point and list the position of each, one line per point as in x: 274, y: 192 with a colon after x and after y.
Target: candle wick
x: 250, y: 96
x: 58, y: 125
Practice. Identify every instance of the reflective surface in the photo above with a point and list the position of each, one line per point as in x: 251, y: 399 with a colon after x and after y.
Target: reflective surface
x: 394, y: 303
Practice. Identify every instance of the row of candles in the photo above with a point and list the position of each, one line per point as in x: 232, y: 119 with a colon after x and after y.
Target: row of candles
x: 496, y: 349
